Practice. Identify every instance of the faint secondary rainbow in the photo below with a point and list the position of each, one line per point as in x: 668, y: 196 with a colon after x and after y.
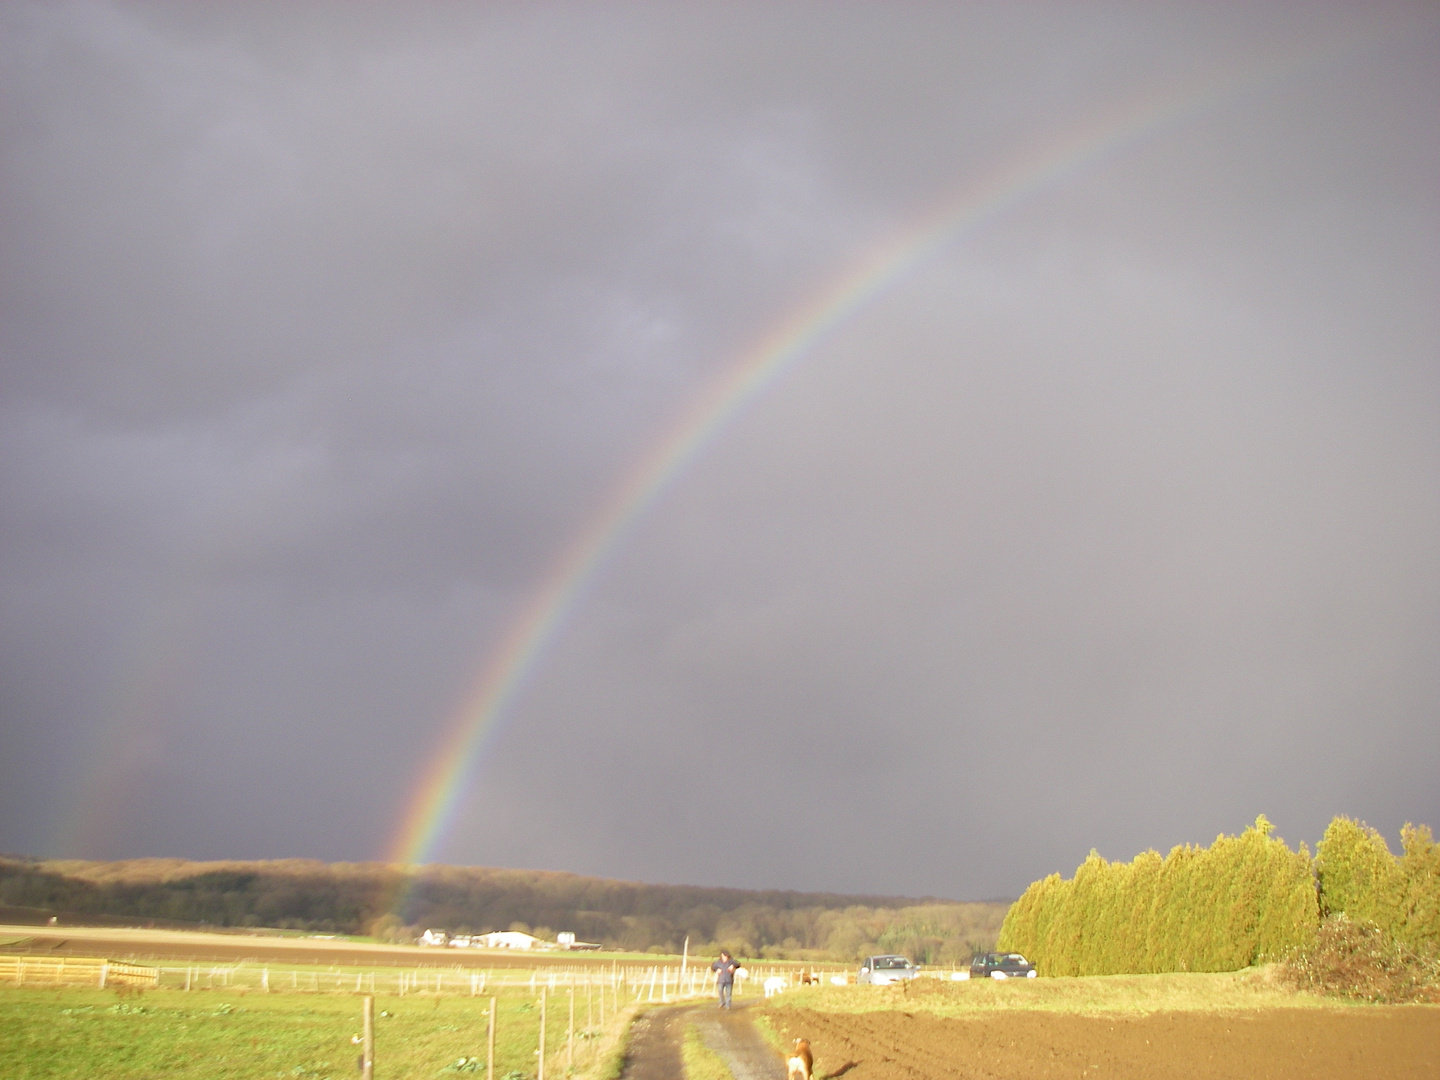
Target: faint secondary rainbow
x: 436, y: 796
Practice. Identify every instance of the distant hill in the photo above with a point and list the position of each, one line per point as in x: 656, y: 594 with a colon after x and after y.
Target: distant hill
x: 391, y: 902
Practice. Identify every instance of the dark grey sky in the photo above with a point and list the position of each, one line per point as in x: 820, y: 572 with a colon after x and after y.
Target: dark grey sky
x: 324, y: 330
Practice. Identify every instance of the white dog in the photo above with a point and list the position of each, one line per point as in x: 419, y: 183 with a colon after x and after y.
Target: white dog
x: 773, y: 985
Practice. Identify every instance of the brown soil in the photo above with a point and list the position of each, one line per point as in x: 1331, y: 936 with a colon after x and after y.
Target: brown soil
x: 1355, y: 1043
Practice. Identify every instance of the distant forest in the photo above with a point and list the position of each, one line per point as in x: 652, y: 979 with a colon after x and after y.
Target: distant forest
x: 394, y: 903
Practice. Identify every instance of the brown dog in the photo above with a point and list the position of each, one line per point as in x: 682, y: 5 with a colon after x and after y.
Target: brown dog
x: 801, y: 1064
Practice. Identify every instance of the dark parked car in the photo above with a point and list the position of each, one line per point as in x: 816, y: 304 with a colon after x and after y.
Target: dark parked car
x: 1001, y: 965
x: 883, y: 970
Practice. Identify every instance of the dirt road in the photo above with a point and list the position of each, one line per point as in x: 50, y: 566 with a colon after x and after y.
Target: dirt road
x: 656, y: 1038
x: 1344, y: 1043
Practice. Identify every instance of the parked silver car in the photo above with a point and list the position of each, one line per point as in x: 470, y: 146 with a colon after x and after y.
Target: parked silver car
x: 883, y: 970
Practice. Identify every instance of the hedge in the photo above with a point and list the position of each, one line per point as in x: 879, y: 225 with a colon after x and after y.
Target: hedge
x: 1241, y: 901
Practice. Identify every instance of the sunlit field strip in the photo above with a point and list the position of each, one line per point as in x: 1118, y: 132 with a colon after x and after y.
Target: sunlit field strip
x: 626, y: 976
x: 1135, y: 995
x: 628, y: 984
x: 611, y: 987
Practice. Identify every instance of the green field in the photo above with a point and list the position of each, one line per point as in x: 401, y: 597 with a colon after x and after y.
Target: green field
x: 72, y: 1032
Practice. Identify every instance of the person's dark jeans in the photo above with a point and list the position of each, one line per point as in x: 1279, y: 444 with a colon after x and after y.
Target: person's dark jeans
x: 725, y: 989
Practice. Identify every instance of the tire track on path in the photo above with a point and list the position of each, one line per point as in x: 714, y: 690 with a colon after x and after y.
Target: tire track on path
x: 656, y: 1038
x: 732, y: 1035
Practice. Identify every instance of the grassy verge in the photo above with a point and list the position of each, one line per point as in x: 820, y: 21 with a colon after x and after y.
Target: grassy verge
x: 610, y: 1062
x: 702, y: 1063
x: 765, y: 1025
x: 606, y: 1058
x: 1093, y: 995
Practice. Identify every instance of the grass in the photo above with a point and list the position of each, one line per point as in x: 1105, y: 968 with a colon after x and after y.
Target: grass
x: 611, y: 1061
x: 766, y: 1027
x: 1099, y: 995
x: 702, y: 1063
x: 81, y: 1032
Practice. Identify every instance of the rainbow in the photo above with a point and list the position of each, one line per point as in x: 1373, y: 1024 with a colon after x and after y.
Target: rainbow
x: 435, y: 798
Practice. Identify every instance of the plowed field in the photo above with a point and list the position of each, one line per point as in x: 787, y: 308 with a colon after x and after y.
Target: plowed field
x: 1354, y: 1043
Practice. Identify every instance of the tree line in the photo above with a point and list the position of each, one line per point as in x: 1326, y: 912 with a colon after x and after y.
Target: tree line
x: 393, y: 903
x: 1243, y: 900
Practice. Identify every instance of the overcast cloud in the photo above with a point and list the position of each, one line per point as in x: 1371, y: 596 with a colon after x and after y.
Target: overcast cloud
x: 324, y: 329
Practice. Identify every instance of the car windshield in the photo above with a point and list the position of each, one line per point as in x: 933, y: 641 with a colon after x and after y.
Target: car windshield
x: 891, y: 963
x: 1016, y: 958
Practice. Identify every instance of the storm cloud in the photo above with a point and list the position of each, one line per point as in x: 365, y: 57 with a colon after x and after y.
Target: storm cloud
x: 1112, y: 523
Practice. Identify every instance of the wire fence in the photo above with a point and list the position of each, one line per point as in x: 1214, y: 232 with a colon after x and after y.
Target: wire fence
x: 625, y: 983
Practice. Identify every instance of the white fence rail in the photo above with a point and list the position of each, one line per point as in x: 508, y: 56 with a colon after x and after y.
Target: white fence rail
x: 74, y: 971
x: 628, y: 983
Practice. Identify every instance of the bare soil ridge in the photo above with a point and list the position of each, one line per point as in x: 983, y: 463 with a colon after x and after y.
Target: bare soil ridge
x: 1353, y: 1043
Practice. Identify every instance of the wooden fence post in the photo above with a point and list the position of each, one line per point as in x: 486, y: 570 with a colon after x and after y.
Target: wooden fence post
x: 490, y: 1045
x: 367, y: 1053
x: 540, y: 1075
x: 570, y: 1035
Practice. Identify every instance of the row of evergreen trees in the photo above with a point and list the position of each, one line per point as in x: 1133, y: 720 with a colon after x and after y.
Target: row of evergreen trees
x: 1357, y: 875
x: 1242, y: 900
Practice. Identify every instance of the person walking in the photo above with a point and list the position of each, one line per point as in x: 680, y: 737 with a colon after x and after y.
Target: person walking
x: 725, y: 969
